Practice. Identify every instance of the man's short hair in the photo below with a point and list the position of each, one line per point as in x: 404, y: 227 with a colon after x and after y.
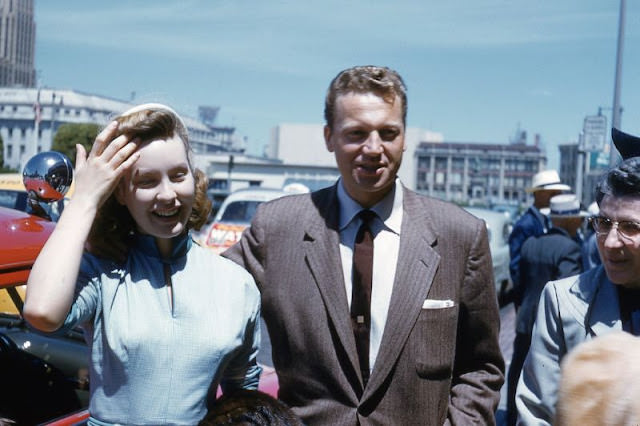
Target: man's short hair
x: 622, y: 180
x: 381, y: 81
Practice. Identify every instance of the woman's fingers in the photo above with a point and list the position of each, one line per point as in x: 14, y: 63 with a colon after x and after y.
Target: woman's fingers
x: 124, y: 153
x: 111, y: 150
x: 103, y: 139
x: 81, y: 156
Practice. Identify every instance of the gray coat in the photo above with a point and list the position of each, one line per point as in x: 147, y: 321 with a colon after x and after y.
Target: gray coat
x: 435, y: 366
x: 571, y: 311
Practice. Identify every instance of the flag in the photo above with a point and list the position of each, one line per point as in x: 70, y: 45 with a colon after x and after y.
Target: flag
x: 37, y: 110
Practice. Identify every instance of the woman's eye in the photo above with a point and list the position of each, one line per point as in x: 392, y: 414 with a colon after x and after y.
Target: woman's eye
x: 145, y: 182
x: 179, y: 176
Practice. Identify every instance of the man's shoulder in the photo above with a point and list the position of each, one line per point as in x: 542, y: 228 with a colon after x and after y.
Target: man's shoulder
x: 293, y: 203
x: 527, y: 218
x: 582, y: 285
x: 553, y: 238
x: 434, y: 204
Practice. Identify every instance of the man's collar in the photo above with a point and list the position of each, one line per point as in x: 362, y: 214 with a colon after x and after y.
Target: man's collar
x: 389, y: 209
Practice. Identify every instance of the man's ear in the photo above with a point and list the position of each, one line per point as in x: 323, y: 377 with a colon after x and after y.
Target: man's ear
x: 327, y: 139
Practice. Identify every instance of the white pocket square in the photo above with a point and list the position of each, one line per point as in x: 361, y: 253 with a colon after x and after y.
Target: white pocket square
x: 437, y: 304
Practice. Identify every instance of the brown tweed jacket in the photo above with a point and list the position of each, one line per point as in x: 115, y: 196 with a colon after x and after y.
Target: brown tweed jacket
x: 435, y: 366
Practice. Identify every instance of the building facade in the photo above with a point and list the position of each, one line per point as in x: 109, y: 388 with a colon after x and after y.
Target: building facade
x: 477, y: 174
x: 17, y: 43
x: 29, y: 119
x: 594, y: 165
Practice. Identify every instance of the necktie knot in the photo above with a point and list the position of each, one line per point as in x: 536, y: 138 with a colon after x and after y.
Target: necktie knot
x: 366, y: 216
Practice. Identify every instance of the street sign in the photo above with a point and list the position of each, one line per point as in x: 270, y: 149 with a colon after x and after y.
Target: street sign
x: 594, y: 133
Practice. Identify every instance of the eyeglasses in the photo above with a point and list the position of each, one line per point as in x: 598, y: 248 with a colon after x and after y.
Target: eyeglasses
x: 627, y: 229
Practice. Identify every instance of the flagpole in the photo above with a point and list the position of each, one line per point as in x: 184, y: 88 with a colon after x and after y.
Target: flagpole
x: 614, y: 156
x: 36, y: 126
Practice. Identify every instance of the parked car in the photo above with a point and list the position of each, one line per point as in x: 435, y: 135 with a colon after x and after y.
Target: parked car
x: 45, y: 376
x: 14, y: 194
x: 234, y: 216
x: 499, y: 225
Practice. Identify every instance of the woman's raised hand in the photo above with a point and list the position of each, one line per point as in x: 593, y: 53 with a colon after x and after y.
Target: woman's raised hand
x: 97, y: 173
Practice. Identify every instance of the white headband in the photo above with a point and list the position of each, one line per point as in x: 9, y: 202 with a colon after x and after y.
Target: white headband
x: 153, y: 105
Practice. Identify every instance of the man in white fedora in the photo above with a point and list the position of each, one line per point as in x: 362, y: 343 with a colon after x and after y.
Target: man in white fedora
x: 532, y: 223
x: 547, y: 257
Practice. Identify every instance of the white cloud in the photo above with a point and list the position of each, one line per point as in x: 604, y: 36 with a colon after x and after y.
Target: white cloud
x: 276, y: 36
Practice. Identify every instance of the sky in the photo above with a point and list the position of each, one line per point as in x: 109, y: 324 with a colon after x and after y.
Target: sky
x: 476, y: 70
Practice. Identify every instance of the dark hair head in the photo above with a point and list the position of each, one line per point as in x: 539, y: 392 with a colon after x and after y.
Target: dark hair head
x: 622, y: 180
x: 251, y: 408
x: 382, y: 81
x: 148, y: 123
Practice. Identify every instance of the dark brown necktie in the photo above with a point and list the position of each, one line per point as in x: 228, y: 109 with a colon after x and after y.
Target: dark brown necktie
x: 361, y: 290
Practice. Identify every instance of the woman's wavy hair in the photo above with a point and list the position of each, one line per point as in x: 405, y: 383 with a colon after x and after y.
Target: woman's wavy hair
x: 622, y: 180
x: 113, y: 220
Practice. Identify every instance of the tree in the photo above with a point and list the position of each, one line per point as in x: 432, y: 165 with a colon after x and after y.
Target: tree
x: 71, y: 134
x: 3, y: 168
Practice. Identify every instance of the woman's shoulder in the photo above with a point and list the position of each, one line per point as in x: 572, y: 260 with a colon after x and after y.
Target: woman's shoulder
x: 207, y: 258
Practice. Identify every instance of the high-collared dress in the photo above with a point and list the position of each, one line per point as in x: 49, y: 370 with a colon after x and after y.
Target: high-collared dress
x: 155, y: 359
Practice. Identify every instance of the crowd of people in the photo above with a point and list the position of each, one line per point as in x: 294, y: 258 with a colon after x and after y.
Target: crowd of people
x: 379, y: 302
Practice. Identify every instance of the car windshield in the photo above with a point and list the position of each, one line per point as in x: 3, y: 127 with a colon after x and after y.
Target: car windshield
x: 13, y: 199
x: 18, y: 200
x: 240, y: 211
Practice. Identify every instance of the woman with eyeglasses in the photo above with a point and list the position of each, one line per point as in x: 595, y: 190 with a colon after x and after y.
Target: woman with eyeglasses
x: 599, y: 301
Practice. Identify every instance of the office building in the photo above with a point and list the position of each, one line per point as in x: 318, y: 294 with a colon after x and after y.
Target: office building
x: 477, y: 174
x: 29, y: 119
x: 17, y: 43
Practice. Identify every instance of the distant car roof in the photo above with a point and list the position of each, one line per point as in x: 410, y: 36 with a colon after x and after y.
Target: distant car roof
x: 11, y: 181
x: 14, y: 182
x: 251, y: 195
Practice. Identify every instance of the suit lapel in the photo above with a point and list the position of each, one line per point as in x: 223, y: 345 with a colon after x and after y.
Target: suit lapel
x: 417, y: 265
x: 604, y: 311
x: 322, y: 252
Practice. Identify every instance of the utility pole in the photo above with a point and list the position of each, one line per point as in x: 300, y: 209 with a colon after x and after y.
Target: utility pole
x: 614, y: 156
x: 580, y: 167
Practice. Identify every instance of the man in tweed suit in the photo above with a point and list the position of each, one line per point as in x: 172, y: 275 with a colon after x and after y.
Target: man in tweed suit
x: 433, y: 356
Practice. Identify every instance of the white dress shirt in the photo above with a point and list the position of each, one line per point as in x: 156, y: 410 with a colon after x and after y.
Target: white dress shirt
x: 386, y: 244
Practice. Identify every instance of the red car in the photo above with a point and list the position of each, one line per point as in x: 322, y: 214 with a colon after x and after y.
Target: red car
x: 45, y: 377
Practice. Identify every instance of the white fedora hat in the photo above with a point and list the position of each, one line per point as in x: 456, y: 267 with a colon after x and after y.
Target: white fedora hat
x: 565, y: 205
x: 547, y: 180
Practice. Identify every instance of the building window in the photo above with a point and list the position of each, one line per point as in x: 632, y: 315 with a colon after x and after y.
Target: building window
x: 23, y: 149
x: 423, y: 163
x: 9, y: 151
x: 455, y: 178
